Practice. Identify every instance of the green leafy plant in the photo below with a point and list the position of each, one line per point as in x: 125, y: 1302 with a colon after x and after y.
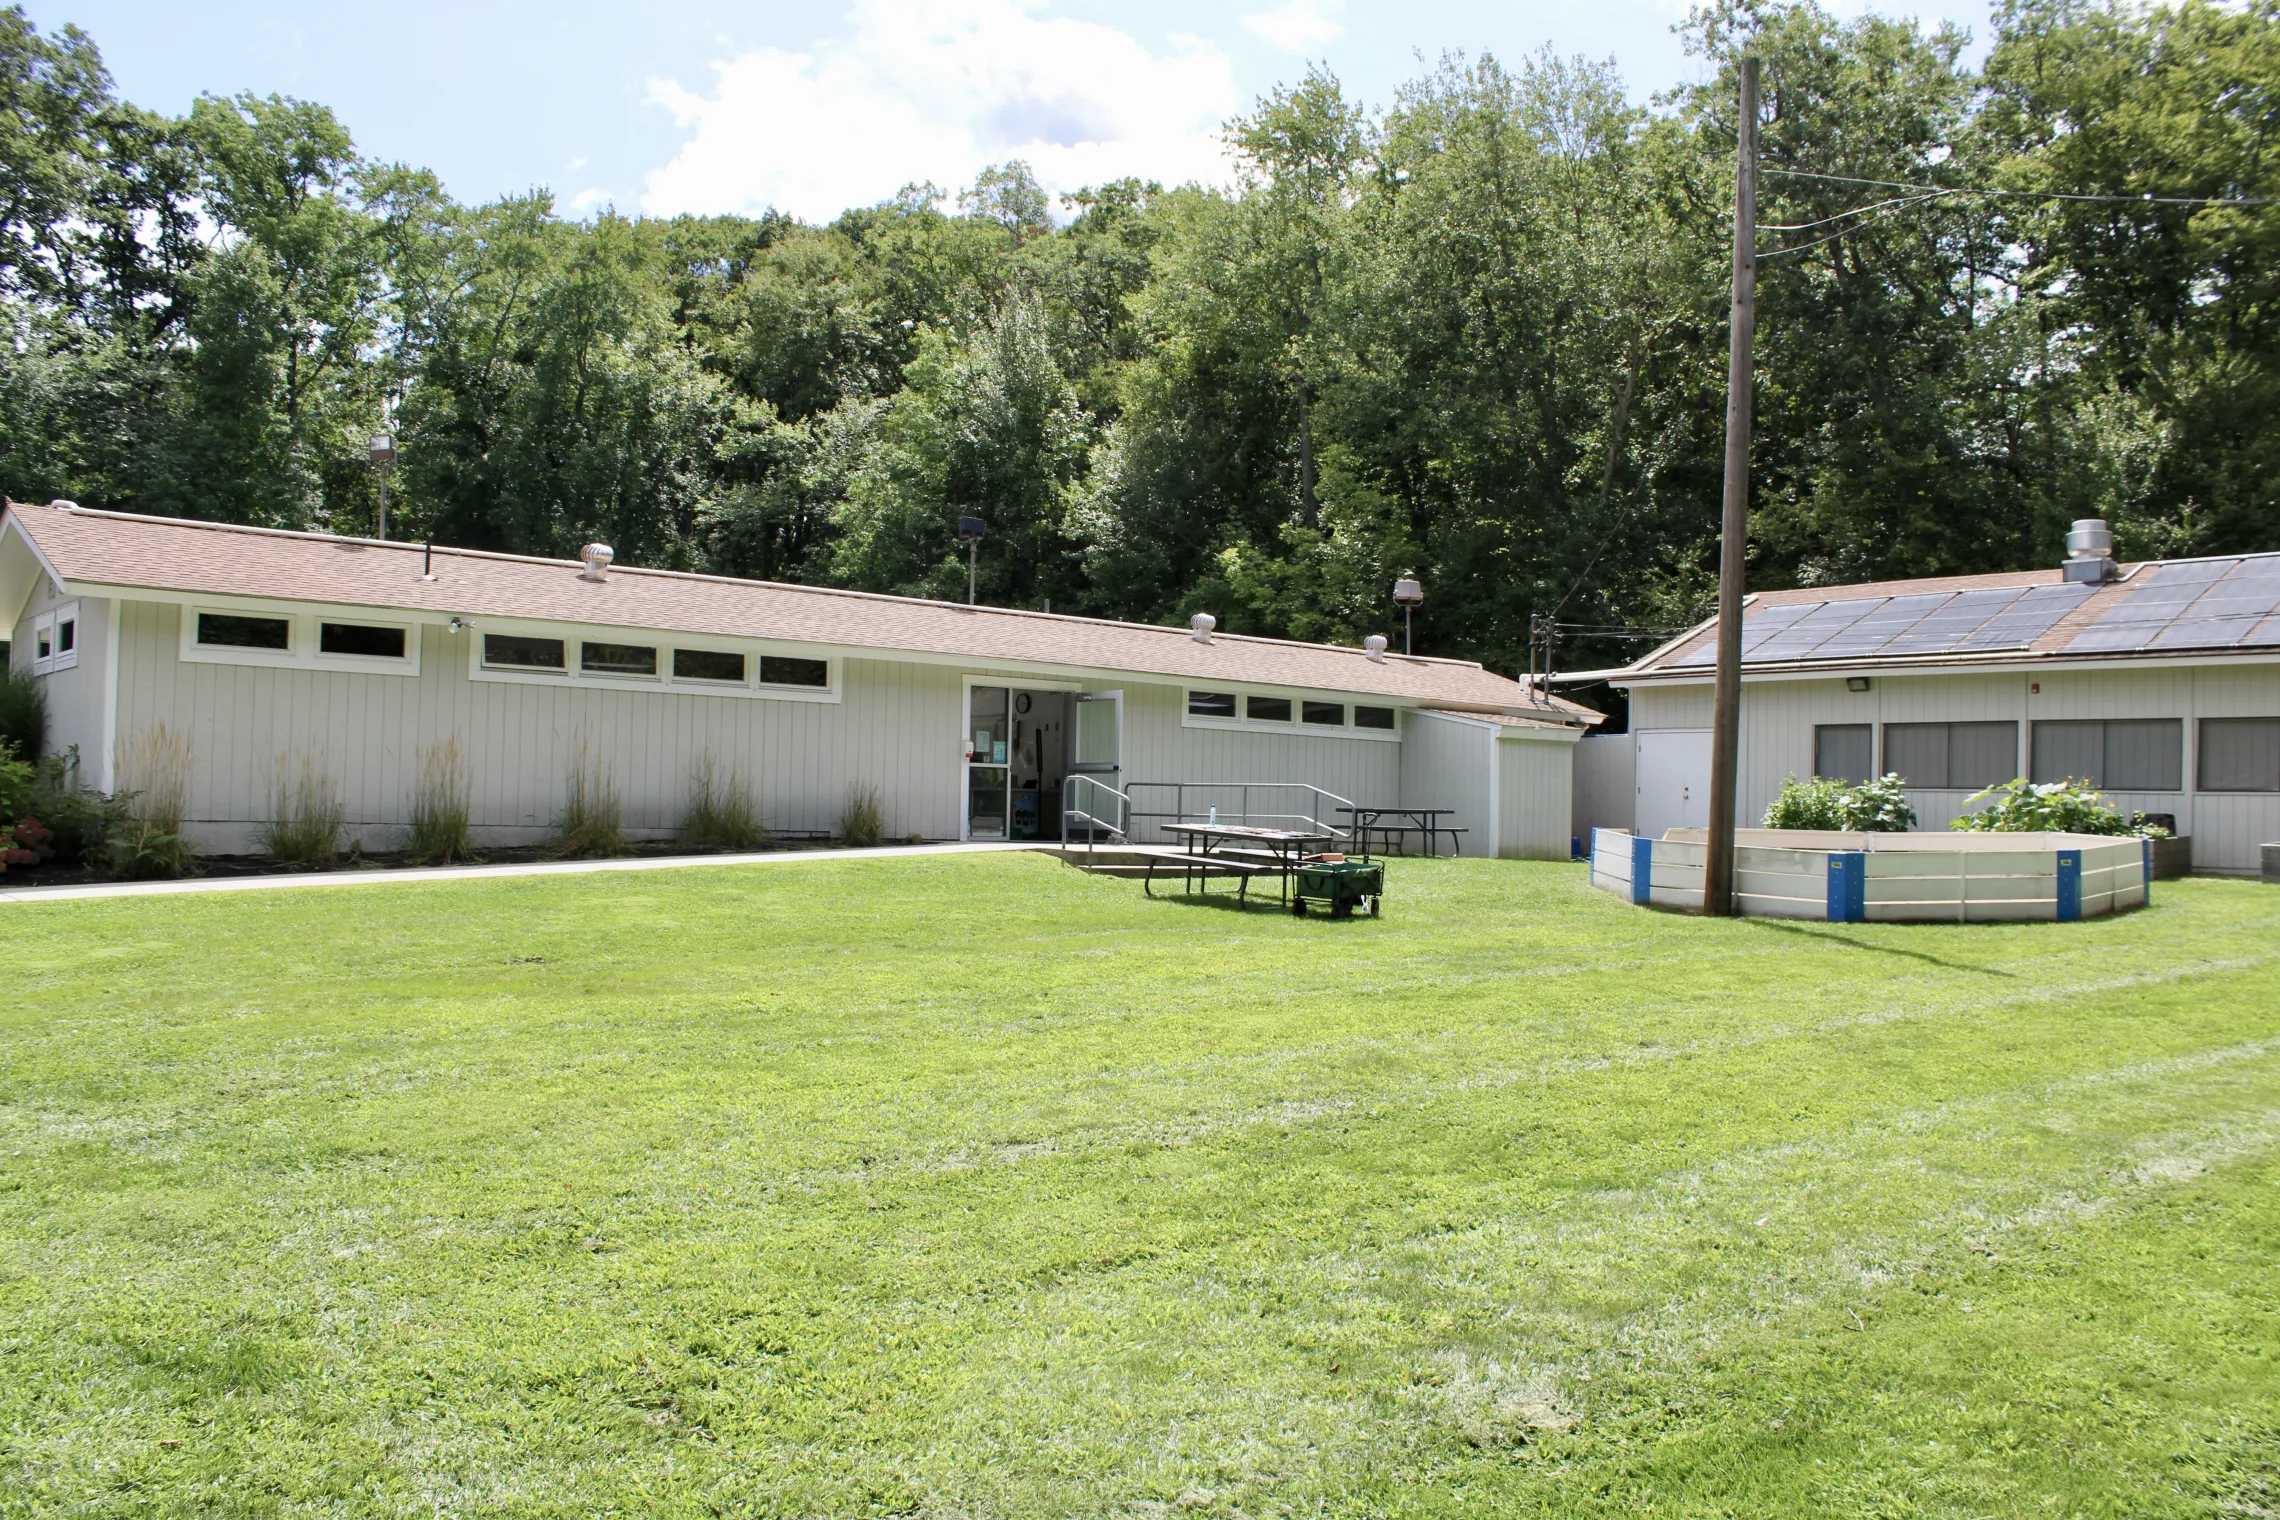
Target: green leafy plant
x: 81, y: 818
x: 1814, y: 804
x: 154, y: 765
x: 593, y: 816
x: 1873, y: 807
x: 439, y: 831
x: 862, y: 819
x: 23, y: 714
x: 307, y: 816
x: 2050, y: 807
x: 19, y: 785
x: 721, y: 810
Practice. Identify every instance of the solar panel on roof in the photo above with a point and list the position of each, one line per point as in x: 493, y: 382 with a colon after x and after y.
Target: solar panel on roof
x: 2138, y: 619
x: 1881, y: 627
x: 2196, y: 632
x: 1808, y: 633
x: 1947, y: 627
x: 2027, y: 619
x: 1758, y: 625
x: 2266, y: 632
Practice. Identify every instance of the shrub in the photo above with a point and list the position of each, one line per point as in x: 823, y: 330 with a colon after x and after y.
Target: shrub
x: 23, y: 715
x: 721, y: 811
x: 1873, y: 807
x: 1815, y: 804
x: 593, y: 818
x: 2049, y: 807
x: 438, y: 833
x: 305, y: 824
x: 862, y: 820
x: 19, y: 785
x: 1880, y: 806
x: 154, y: 772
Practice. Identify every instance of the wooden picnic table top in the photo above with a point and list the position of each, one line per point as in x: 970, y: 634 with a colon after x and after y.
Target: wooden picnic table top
x: 1248, y: 831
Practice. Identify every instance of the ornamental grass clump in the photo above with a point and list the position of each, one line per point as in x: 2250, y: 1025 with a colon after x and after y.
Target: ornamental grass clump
x: 438, y: 833
x: 593, y: 815
x: 307, y: 814
x: 2050, y: 807
x: 154, y: 781
x: 721, y: 813
x: 862, y: 818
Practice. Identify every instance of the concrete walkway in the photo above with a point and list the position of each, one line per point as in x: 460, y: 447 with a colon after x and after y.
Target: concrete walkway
x: 374, y: 878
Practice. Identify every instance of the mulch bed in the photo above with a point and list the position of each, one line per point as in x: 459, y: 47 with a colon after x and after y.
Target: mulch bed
x: 60, y: 874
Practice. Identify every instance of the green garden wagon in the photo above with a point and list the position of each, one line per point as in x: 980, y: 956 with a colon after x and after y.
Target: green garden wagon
x: 1339, y: 885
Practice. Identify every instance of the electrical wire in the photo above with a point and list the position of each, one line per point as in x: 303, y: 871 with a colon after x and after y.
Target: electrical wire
x: 2147, y: 198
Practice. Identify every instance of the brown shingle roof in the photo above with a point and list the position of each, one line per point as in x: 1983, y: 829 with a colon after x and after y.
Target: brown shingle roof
x: 212, y: 559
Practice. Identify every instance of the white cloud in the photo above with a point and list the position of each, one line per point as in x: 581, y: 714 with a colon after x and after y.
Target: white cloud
x: 1298, y: 25
x: 934, y: 90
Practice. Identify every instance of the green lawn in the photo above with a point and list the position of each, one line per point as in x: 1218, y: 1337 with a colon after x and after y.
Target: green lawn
x: 973, y: 1186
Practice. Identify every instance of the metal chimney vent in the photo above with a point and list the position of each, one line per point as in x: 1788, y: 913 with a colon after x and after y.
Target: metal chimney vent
x: 1373, y: 647
x: 2090, y: 552
x: 1201, y: 625
x: 597, y: 558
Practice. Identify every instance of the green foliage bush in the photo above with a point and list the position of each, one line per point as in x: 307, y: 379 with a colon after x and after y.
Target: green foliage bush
x: 23, y: 715
x: 1873, y: 807
x: 2050, y: 807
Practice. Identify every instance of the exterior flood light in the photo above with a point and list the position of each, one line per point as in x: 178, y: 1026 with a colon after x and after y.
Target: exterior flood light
x: 383, y: 451
x: 970, y: 532
x: 1857, y: 683
x: 1407, y: 593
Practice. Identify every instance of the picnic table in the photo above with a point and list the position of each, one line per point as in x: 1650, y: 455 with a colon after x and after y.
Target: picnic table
x: 1239, y: 850
x: 1419, y: 820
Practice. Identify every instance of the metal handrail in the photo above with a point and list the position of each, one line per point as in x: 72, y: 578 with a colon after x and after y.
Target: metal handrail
x: 1119, y: 806
x: 1241, y: 810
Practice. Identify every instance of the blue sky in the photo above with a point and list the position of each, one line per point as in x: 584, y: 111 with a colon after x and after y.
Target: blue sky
x: 702, y: 105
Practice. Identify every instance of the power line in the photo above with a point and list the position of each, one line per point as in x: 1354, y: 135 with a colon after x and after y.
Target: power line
x: 2146, y: 198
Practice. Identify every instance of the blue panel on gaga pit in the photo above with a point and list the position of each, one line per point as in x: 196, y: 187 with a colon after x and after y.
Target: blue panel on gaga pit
x: 1848, y: 887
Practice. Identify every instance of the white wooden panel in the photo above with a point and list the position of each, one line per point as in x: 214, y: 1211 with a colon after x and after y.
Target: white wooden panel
x: 1535, y: 809
x: 1603, y: 783
x: 1675, y: 897
x: 1445, y: 763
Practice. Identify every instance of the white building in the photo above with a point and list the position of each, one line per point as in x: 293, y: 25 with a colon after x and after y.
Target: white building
x: 2157, y: 682
x: 263, y: 647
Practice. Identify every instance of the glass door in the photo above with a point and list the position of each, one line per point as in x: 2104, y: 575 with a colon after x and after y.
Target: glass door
x: 987, y: 770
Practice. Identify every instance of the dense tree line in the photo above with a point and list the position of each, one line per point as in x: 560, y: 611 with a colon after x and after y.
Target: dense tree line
x: 1478, y: 335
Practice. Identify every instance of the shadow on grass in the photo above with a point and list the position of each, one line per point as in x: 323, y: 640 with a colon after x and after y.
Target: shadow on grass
x: 1859, y: 944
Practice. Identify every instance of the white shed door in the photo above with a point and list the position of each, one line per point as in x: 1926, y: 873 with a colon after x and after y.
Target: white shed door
x: 1673, y: 781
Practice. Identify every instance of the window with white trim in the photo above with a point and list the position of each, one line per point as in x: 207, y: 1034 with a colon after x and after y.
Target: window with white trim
x: 538, y: 653
x: 55, y: 639
x: 2240, y: 755
x: 240, y: 635
x: 1284, y: 712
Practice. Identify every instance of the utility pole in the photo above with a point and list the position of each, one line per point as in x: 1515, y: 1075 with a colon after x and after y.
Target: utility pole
x: 1726, y: 719
x: 970, y: 531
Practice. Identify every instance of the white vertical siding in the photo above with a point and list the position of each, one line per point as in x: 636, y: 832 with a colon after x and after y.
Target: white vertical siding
x: 897, y: 728
x: 1535, y: 779
x: 1446, y: 762
x: 1606, y: 784
x: 75, y: 704
x: 1160, y: 747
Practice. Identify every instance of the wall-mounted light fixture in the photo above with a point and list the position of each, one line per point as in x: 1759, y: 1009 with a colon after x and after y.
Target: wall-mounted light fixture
x: 1858, y: 683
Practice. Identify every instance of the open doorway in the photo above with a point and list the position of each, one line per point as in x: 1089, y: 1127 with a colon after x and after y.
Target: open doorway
x: 1018, y: 751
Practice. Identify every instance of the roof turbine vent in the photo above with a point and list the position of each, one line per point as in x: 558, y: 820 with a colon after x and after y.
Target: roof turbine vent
x: 2090, y: 551
x: 1201, y: 625
x: 1373, y: 648
x: 597, y: 558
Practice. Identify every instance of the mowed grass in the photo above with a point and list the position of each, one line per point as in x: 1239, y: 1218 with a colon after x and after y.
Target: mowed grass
x: 975, y: 1186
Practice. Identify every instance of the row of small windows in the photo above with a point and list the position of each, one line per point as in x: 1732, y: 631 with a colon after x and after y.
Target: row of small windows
x: 521, y: 652
x: 2112, y: 754
x: 236, y: 630
x: 516, y: 651
x: 1263, y: 709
